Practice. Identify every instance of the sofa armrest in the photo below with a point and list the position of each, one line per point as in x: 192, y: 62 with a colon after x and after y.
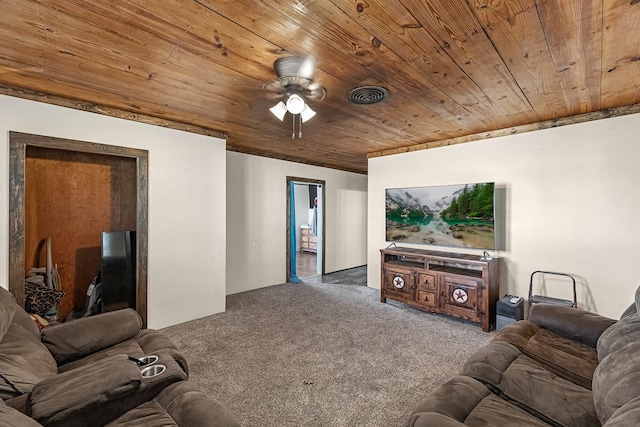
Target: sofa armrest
x: 573, y: 323
x: 73, y: 340
x: 432, y: 419
x: 152, y: 341
x: 96, y: 394
x: 10, y: 417
x: 85, y: 396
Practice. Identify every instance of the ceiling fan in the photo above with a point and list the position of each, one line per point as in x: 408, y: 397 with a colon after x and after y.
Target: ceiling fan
x: 295, y: 85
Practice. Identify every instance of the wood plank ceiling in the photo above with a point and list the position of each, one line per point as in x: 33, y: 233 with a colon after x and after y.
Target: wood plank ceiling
x: 453, y: 68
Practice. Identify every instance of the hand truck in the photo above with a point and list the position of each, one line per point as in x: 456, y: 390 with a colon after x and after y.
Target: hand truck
x: 535, y: 299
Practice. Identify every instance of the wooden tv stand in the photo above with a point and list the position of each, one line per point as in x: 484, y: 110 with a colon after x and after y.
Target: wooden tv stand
x: 458, y: 285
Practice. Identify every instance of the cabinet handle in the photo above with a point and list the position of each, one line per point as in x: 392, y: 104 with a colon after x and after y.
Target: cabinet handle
x: 426, y: 298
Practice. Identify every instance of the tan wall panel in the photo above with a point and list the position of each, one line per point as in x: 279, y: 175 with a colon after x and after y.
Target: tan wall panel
x: 73, y: 197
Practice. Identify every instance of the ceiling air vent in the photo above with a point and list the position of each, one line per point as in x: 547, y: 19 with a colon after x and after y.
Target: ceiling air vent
x: 368, y: 95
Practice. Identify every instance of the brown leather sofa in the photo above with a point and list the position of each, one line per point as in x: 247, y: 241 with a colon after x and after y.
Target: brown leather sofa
x: 92, y: 372
x: 564, y: 367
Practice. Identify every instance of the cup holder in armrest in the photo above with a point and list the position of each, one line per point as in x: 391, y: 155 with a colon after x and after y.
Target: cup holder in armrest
x: 152, y: 371
x: 148, y: 360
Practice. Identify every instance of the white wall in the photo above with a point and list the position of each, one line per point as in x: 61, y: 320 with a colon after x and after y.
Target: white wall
x: 571, y: 204
x: 186, y: 253
x: 256, y: 213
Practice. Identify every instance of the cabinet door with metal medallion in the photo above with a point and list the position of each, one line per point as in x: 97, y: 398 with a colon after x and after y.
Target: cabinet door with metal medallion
x: 398, y: 283
x: 460, y: 296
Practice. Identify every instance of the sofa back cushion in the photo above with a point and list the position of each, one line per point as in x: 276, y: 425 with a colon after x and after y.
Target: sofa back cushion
x: 24, y: 362
x: 74, y: 340
x: 615, y: 380
x: 630, y: 311
x: 625, y: 331
x: 627, y: 416
x: 10, y: 417
x: 617, y: 336
x: 8, y: 307
x: 23, y: 319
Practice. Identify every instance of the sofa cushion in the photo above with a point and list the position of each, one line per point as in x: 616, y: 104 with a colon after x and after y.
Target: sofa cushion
x: 24, y: 362
x: 569, y: 359
x: 575, y: 324
x: 73, y: 340
x: 468, y: 402
x: 7, y: 309
x: 521, y: 378
x: 628, y: 415
x: 10, y: 417
x: 626, y: 331
x: 180, y: 404
x: 616, y: 380
x: 432, y: 419
x: 21, y: 318
x: 99, y: 393
x: 630, y: 311
x: 128, y: 347
x: 85, y: 396
x: 147, y: 341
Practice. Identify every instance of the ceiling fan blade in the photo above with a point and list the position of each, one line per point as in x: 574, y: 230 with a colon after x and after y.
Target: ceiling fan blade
x: 308, y: 68
x: 275, y: 95
x: 275, y: 86
x: 316, y: 94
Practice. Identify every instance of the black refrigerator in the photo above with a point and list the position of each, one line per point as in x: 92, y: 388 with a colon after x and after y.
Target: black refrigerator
x: 118, y: 270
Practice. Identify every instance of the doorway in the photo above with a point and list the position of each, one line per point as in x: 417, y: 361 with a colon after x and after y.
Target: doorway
x: 305, y: 228
x: 28, y: 151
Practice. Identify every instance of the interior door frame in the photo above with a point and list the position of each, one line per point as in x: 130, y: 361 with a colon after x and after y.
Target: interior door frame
x: 322, y: 185
x: 18, y: 143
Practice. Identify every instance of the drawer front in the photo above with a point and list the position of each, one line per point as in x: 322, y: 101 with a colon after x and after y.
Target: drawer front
x: 427, y: 281
x: 398, y: 283
x: 427, y: 291
x: 313, y: 239
x: 426, y: 299
x: 461, y: 296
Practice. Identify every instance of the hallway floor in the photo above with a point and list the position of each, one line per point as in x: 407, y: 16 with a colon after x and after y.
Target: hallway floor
x: 306, y: 270
x: 306, y: 264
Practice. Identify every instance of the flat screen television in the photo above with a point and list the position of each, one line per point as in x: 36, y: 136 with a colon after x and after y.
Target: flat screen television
x: 118, y: 270
x: 444, y: 215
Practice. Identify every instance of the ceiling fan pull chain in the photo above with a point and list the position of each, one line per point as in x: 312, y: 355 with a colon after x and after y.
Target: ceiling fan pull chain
x: 300, y: 127
x: 293, y: 133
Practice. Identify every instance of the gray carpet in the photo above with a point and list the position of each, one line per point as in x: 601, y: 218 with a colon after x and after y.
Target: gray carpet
x: 322, y: 354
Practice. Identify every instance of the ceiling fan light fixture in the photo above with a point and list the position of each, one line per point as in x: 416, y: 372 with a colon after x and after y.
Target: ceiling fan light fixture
x: 279, y: 110
x: 306, y: 113
x: 295, y: 104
